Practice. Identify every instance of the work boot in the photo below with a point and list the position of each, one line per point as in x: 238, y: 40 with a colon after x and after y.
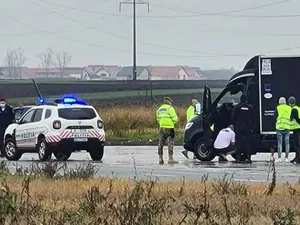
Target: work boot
x: 222, y: 158
x: 171, y: 160
x: 161, y: 160
x: 194, y: 157
x: 185, y: 153
x: 296, y: 160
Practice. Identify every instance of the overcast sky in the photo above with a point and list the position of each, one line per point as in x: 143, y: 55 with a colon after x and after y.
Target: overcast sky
x: 206, y: 33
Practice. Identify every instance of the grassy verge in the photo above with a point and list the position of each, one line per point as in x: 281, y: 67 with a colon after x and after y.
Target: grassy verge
x: 43, y: 197
x: 114, y: 95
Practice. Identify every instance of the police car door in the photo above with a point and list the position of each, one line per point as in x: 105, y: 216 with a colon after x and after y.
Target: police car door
x: 24, y: 139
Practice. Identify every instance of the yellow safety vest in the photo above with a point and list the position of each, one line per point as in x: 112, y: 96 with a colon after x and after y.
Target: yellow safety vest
x: 166, y: 116
x: 283, y: 119
x: 294, y: 124
x: 190, y: 113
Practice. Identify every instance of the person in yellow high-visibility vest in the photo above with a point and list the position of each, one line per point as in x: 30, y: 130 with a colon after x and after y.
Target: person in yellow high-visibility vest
x: 283, y: 126
x: 191, y: 112
x: 167, y: 118
x: 295, y: 127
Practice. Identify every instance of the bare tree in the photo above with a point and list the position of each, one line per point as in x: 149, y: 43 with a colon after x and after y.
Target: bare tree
x: 20, y: 60
x: 62, y: 62
x: 47, y: 60
x: 10, y: 62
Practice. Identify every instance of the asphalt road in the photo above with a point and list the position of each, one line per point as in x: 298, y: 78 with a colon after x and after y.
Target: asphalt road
x: 142, y: 162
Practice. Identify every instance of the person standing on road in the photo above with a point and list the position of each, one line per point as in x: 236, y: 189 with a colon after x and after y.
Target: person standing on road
x: 191, y: 112
x: 283, y: 126
x: 167, y: 118
x: 295, y: 127
x: 6, y: 118
x: 242, y: 119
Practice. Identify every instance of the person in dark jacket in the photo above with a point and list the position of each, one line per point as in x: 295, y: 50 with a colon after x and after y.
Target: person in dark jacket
x: 295, y: 127
x: 6, y: 118
x: 242, y: 119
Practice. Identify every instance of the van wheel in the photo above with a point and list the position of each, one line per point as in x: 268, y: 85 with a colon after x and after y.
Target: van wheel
x: 11, y: 152
x: 202, y: 152
x: 62, y: 156
x: 97, y: 154
x: 43, y: 150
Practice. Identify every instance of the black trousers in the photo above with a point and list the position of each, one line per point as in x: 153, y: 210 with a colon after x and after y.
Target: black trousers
x: 243, y: 139
x: 230, y: 148
x: 296, y: 140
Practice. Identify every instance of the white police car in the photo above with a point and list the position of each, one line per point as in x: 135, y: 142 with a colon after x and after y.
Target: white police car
x: 62, y: 127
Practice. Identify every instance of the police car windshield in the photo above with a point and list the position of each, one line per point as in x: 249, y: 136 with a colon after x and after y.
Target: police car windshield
x: 77, y: 113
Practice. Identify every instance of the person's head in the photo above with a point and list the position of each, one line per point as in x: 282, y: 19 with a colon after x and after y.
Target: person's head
x: 282, y: 100
x: 194, y: 102
x: 168, y: 100
x: 243, y: 98
x: 292, y: 101
x: 231, y: 127
x: 2, y: 102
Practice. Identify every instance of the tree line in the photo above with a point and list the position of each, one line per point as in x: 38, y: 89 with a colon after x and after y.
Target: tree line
x: 15, y: 59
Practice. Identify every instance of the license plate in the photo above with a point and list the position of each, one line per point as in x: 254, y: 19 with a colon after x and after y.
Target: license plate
x: 80, y: 139
x: 79, y: 133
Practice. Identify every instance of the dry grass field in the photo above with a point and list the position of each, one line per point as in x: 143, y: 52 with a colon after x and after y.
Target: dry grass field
x: 78, y: 198
x: 136, y: 122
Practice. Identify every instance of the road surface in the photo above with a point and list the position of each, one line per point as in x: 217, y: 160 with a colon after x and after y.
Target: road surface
x: 142, y: 161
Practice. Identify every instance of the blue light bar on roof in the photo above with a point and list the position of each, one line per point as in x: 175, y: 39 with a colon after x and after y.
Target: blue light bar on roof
x: 41, y: 100
x: 67, y: 100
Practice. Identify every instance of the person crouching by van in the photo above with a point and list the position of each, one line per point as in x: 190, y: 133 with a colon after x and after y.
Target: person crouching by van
x: 283, y: 125
x: 225, y: 143
x: 295, y: 127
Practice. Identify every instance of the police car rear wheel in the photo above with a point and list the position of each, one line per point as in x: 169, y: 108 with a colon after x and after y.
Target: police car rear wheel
x: 43, y: 151
x: 97, y: 154
x: 10, y: 150
x: 202, y: 152
x: 62, y: 156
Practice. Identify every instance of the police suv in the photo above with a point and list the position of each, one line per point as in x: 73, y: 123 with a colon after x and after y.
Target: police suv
x: 62, y: 127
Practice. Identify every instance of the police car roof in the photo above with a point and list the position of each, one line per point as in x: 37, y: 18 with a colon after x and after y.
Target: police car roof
x: 24, y: 107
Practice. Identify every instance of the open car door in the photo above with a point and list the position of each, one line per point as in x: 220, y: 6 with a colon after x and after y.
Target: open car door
x: 207, y: 132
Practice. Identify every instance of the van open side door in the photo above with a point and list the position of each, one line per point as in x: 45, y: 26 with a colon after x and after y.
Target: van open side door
x: 207, y: 132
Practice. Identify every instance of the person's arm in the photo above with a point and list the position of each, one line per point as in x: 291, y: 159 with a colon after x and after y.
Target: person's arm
x: 296, y: 116
x: 173, y: 115
x: 292, y: 114
x: 275, y: 115
x: 235, y: 114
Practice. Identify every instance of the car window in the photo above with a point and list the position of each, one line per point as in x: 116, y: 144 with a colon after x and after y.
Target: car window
x: 48, y: 113
x: 19, y: 112
x: 77, y: 113
x: 38, y: 115
x: 27, y: 118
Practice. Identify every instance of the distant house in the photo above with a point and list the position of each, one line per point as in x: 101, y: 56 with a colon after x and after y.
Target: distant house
x: 43, y: 73
x: 126, y: 73
x: 74, y: 72
x: 167, y: 73
x: 102, y: 72
x: 13, y: 72
x: 193, y: 73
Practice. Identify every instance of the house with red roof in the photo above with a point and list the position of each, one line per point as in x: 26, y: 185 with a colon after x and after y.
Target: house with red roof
x: 102, y: 72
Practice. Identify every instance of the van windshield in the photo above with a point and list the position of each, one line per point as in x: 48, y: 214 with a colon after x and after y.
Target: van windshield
x: 77, y: 113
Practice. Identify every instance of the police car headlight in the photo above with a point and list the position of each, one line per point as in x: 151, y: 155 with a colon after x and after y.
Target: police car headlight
x: 188, y: 125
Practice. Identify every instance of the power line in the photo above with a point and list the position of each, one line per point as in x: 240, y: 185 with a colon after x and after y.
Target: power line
x: 222, y: 14
x: 144, y: 53
x: 118, y: 36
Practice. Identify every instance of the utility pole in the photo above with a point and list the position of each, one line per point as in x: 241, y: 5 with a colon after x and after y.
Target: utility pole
x: 134, y: 2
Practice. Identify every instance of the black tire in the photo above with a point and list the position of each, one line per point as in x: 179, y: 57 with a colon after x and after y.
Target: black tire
x: 11, y: 151
x: 43, y: 150
x: 62, y: 156
x: 202, y: 152
x: 97, y: 154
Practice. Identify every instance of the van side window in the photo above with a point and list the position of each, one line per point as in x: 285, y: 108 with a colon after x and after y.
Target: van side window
x: 48, y: 113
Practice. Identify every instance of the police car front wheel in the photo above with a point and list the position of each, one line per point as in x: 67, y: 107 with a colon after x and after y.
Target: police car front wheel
x: 43, y: 150
x: 10, y: 150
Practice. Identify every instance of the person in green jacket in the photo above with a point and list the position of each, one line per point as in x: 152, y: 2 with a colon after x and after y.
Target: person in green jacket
x: 167, y: 118
x: 190, y: 114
